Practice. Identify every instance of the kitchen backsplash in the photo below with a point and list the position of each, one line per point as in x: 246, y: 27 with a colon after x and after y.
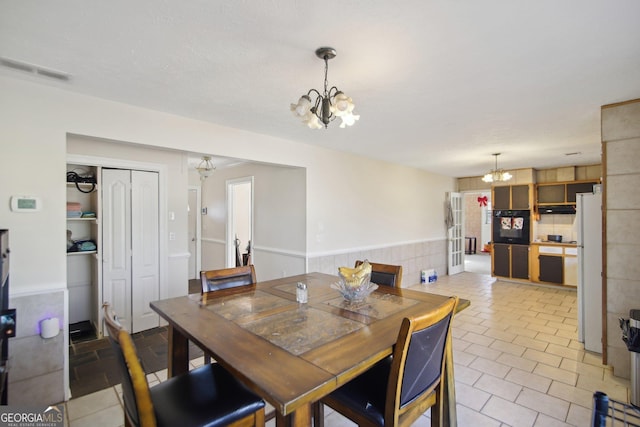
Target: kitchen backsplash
x: 564, y: 225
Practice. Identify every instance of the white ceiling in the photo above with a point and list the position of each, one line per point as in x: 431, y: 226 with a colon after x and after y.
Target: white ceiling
x: 439, y: 84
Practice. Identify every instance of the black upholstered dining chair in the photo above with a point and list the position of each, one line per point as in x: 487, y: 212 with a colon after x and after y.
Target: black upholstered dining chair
x: 399, y: 389
x: 385, y: 274
x: 206, y: 396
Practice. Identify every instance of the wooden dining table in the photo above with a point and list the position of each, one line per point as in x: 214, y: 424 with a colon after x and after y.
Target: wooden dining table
x: 293, y: 354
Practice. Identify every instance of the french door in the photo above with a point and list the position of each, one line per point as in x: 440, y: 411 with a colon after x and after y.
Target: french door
x: 455, y: 222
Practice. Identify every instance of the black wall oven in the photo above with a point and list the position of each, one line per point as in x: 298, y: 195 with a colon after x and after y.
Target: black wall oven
x: 511, y: 227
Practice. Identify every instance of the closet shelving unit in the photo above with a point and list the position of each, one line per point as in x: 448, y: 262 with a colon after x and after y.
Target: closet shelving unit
x: 83, y: 267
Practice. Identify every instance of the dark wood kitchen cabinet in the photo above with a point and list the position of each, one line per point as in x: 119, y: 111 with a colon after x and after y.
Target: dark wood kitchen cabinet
x: 552, y: 194
x: 562, y: 193
x: 511, y: 197
x: 501, y: 260
x: 554, y: 263
x: 501, y: 197
x: 511, y: 261
x: 551, y: 269
x: 579, y: 187
x: 520, y: 197
x: 520, y: 262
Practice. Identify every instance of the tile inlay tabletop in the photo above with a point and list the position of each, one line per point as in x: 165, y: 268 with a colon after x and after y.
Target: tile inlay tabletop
x: 293, y: 354
x: 301, y: 330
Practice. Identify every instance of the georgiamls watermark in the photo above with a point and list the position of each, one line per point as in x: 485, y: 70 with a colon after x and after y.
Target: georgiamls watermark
x: 28, y: 416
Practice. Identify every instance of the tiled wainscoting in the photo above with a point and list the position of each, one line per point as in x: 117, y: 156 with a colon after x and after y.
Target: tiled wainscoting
x: 413, y: 257
x: 36, y: 365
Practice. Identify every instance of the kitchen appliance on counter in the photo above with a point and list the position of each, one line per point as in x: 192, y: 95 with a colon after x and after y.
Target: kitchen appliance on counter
x: 511, y: 227
x: 589, y: 294
x: 554, y: 238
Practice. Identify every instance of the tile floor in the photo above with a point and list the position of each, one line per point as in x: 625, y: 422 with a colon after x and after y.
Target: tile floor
x: 517, y: 361
x: 478, y: 263
x: 93, y: 366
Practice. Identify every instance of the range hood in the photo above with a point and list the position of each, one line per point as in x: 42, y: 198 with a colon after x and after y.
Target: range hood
x: 557, y: 209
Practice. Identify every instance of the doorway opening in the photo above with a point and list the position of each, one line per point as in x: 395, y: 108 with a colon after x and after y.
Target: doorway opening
x: 477, y: 229
x: 239, y: 240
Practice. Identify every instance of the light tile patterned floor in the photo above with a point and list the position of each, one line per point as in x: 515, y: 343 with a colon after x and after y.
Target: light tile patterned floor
x: 517, y: 361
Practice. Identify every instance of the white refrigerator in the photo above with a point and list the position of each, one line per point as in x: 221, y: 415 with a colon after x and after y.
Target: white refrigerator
x: 589, y: 224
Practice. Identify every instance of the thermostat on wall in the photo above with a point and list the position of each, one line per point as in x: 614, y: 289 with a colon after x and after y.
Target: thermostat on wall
x: 26, y: 203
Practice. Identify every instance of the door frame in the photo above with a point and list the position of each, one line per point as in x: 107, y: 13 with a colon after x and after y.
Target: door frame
x: 198, y: 214
x: 230, y: 245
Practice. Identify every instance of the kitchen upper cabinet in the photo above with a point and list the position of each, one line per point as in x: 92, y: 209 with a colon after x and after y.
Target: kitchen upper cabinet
x: 520, y: 197
x: 552, y: 194
x: 501, y: 197
x: 562, y: 193
x: 511, y: 261
x: 579, y: 187
x: 514, y: 197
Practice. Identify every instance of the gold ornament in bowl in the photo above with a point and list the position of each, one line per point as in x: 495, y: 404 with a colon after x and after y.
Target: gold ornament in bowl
x: 355, y: 283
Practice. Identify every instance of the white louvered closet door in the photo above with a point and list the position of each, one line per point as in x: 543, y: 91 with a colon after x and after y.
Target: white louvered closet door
x: 130, y: 238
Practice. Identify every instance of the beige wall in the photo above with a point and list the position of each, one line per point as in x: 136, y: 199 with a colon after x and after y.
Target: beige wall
x: 279, y: 218
x: 351, y: 201
x: 473, y: 216
x: 621, y: 146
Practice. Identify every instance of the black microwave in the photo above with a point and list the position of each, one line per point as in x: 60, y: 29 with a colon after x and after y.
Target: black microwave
x: 513, y: 227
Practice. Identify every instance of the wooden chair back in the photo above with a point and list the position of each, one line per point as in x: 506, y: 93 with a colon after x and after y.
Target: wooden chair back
x: 213, y: 281
x: 204, y: 396
x: 413, y: 376
x: 385, y: 274
x: 415, y: 380
x: 226, y: 278
x: 138, y: 406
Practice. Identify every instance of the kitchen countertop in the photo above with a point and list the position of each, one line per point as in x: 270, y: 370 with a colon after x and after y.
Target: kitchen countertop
x: 547, y: 243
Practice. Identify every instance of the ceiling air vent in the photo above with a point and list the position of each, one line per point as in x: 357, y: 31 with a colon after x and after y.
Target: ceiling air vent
x: 34, y: 69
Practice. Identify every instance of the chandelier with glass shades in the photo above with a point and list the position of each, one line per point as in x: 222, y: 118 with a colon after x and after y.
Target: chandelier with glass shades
x: 497, y: 175
x: 205, y: 168
x: 327, y: 105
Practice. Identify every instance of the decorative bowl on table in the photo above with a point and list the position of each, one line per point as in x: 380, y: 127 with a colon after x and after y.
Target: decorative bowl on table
x: 355, y: 293
x: 355, y: 283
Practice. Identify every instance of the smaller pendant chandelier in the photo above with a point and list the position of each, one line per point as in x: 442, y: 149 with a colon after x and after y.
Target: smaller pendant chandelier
x: 205, y: 168
x: 328, y: 105
x: 497, y: 175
